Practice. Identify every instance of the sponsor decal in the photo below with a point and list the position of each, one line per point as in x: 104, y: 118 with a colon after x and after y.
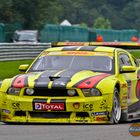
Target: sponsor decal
x: 54, y: 105
x: 76, y: 105
x: 99, y: 113
x: 49, y: 106
x: 88, y: 107
x: 77, y: 53
x: 101, y: 118
x: 124, y: 86
x: 15, y: 105
x: 4, y: 117
x: 104, y: 105
x: 124, y: 98
x: 6, y: 111
x: 134, y: 129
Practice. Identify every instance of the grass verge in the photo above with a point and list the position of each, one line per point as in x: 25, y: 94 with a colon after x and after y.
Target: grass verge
x: 136, y: 54
x: 10, y: 69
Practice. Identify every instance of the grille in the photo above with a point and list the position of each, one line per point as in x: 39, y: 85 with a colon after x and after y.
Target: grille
x: 82, y: 114
x: 20, y: 113
x: 50, y: 114
x: 51, y: 92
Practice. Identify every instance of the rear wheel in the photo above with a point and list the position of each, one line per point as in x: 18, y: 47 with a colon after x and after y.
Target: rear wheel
x: 116, y: 109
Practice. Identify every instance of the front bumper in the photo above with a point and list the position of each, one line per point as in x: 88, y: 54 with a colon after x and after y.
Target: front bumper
x: 56, y: 110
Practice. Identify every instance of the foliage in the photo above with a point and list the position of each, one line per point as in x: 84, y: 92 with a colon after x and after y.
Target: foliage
x: 83, y: 24
x: 102, y: 23
x: 37, y: 13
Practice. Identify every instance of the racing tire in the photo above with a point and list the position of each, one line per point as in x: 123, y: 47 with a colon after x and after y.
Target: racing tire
x: 116, y: 108
x: 124, y: 117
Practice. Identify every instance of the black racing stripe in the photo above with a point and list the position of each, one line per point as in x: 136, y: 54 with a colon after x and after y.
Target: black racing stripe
x: 26, y: 81
x: 59, y: 101
x: 71, y: 48
x: 36, y: 100
x: 44, y: 79
x: 65, y: 77
x: 134, y: 107
x: 88, y: 48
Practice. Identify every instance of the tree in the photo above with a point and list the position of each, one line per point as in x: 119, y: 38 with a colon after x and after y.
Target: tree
x: 102, y: 23
x: 34, y: 14
x: 83, y: 24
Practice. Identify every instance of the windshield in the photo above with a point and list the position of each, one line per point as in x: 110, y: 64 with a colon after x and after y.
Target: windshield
x: 59, y: 62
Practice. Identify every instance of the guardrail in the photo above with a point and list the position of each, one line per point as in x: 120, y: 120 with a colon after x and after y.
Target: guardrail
x: 21, y: 51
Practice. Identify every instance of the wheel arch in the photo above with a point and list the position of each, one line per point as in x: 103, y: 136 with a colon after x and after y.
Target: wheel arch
x: 118, y: 87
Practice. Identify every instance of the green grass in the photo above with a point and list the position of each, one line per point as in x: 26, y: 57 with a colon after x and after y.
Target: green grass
x: 136, y: 54
x: 10, y: 69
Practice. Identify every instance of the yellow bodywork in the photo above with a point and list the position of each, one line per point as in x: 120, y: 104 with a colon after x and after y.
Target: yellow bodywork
x: 77, y: 109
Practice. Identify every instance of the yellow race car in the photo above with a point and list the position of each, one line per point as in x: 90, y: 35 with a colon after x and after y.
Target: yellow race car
x: 74, y: 84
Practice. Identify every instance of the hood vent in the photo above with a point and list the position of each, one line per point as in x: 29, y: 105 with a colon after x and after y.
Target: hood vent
x: 52, y: 78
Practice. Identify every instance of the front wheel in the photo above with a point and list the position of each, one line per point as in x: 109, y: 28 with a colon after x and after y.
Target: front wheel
x: 116, y: 109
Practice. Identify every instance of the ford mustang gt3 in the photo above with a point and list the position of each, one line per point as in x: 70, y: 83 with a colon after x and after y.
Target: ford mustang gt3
x: 74, y: 84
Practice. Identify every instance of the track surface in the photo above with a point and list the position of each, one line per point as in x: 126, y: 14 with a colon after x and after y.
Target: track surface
x: 66, y: 132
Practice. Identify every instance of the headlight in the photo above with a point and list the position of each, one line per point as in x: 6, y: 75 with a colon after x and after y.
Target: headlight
x: 91, y: 92
x: 14, y: 91
x: 29, y: 91
x: 71, y: 92
x: 95, y: 92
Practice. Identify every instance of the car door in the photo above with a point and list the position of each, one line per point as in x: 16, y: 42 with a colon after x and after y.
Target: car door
x: 132, y: 81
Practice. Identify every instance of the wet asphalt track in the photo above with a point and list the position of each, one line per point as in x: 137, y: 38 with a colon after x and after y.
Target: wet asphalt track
x: 66, y: 132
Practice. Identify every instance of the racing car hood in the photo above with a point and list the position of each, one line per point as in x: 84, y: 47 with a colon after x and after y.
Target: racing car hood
x: 59, y: 79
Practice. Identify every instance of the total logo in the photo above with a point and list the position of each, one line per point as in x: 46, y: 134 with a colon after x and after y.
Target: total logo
x: 51, y: 106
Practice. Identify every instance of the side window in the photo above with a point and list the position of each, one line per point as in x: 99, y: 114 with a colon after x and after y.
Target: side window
x: 136, y: 62
x: 124, y: 60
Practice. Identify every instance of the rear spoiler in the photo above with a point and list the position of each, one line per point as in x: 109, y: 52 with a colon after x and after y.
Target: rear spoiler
x: 124, y: 45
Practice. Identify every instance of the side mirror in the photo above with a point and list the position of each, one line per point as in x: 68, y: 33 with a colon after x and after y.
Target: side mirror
x: 127, y: 69
x: 23, y: 67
